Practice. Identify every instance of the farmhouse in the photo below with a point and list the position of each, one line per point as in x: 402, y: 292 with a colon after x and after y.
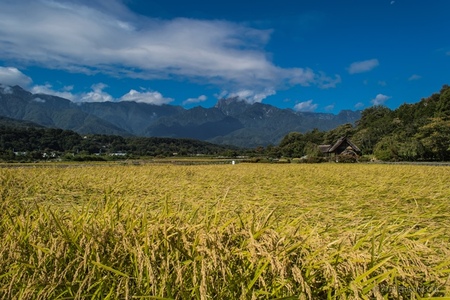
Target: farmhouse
x: 343, y: 146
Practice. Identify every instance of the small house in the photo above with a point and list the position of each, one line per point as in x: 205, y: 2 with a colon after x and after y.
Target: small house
x: 343, y: 146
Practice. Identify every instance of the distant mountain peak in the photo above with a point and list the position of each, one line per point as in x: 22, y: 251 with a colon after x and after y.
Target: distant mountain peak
x: 230, y: 101
x: 232, y: 121
x: 232, y: 106
x: 7, y: 89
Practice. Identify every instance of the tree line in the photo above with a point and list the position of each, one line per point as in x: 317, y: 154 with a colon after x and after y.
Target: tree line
x: 412, y: 132
x: 30, y: 143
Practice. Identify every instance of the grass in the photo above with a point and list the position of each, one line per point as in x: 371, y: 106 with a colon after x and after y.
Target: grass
x: 225, y: 232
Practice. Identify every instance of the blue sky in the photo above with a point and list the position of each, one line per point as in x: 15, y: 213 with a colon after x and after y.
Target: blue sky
x: 322, y: 56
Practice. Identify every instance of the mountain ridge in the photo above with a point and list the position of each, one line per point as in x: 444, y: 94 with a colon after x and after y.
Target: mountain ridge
x: 231, y: 121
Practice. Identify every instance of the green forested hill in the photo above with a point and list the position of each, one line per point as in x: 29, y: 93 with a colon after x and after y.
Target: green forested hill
x: 412, y: 132
x: 419, y: 131
x: 31, y: 143
x: 8, y: 122
x: 231, y: 122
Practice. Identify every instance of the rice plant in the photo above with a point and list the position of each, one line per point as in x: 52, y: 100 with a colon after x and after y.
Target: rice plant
x: 225, y: 232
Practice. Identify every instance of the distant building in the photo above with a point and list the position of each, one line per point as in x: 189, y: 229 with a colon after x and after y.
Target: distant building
x: 118, y: 154
x: 343, y: 146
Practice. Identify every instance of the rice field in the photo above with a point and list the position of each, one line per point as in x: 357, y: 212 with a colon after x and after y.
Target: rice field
x: 245, y: 231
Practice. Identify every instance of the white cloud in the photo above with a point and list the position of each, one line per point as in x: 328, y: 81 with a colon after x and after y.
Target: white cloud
x: 150, y: 97
x: 392, y: 2
x: 5, y: 89
x: 363, y: 66
x: 380, y: 99
x: 306, y: 106
x: 39, y: 100
x: 359, y: 105
x: 448, y: 53
x: 105, y: 36
x: 251, y: 96
x: 48, y: 89
x: 414, y: 77
x: 96, y: 95
x: 326, y: 82
x: 12, y: 76
x: 222, y: 94
x: 382, y: 83
x: 199, y: 99
x: 303, y: 77
x: 329, y: 107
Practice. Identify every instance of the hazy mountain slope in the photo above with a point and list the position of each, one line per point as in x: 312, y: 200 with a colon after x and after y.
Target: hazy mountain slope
x: 130, y: 116
x: 232, y: 121
x: 265, y: 124
x: 52, y: 111
x: 8, y: 122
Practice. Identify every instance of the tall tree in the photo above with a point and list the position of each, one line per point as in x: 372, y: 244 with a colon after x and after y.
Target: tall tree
x: 435, y: 137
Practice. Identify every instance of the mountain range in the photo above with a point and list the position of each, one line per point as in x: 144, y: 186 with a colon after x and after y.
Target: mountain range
x: 231, y: 121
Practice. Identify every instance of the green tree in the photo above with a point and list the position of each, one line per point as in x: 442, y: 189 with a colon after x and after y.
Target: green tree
x: 398, y: 146
x: 332, y: 136
x: 386, y: 149
x: 293, y: 144
x: 443, y: 105
x: 376, y: 122
x: 435, y: 138
x: 410, y: 149
x: 312, y: 150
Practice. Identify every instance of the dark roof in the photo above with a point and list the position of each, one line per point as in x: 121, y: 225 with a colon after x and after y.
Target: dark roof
x: 324, y: 148
x: 340, y: 141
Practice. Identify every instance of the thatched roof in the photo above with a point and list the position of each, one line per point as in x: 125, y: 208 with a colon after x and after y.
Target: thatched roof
x: 342, y: 140
x: 324, y: 148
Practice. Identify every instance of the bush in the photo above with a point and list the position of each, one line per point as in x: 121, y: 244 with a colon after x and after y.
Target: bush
x: 283, y: 161
x: 345, y: 158
x: 88, y: 158
x: 257, y: 160
x: 313, y: 160
x: 365, y: 158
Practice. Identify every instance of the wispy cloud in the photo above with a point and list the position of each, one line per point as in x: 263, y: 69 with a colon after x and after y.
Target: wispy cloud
x: 199, y: 99
x: 363, y: 66
x: 105, y: 36
x: 12, y: 76
x: 5, y: 89
x: 39, y: 100
x: 326, y: 82
x: 414, y: 77
x: 359, y: 105
x: 380, y: 99
x: 306, y: 106
x: 329, y: 107
x: 49, y: 90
